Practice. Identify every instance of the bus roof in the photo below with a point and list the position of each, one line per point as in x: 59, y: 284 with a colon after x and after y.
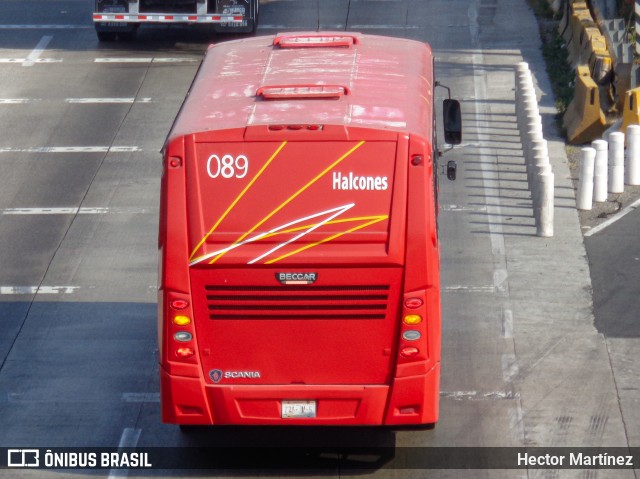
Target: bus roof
x: 326, y: 78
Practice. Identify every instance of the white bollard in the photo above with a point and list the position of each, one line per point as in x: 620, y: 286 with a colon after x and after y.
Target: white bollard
x: 585, y: 182
x: 532, y: 130
x: 544, y: 225
x: 633, y: 155
x: 616, y: 162
x: 539, y: 154
x: 600, y: 171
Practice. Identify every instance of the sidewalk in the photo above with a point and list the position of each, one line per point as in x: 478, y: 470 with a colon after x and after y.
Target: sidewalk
x: 562, y: 367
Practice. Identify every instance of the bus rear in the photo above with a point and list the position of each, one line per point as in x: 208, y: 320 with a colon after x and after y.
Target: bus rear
x: 299, y: 266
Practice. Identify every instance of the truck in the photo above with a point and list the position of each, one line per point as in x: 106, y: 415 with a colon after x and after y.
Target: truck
x: 299, y: 271
x: 121, y: 18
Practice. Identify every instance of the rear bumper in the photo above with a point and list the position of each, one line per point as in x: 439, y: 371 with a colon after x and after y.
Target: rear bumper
x: 411, y: 400
x: 104, y: 17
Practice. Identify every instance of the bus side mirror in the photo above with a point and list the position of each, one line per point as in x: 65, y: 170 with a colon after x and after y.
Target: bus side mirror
x: 452, y: 119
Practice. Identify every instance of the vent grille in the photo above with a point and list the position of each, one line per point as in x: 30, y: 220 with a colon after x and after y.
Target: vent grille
x: 297, y: 302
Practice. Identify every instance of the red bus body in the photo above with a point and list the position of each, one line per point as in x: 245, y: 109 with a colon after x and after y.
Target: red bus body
x: 297, y: 232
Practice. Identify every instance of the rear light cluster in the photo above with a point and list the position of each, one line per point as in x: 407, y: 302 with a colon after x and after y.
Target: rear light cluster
x: 413, y: 328
x: 182, y: 328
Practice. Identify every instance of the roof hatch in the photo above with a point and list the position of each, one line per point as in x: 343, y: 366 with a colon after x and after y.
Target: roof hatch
x: 320, y: 40
x: 287, y: 92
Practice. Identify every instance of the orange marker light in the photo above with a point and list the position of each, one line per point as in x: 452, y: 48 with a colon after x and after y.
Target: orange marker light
x: 412, y: 319
x: 182, y: 320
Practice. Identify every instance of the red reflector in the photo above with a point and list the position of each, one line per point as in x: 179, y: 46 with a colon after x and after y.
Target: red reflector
x: 238, y: 18
x: 409, y: 352
x: 179, y: 304
x: 413, y: 303
x: 185, y: 352
x: 192, y: 18
x: 215, y: 18
x: 142, y: 17
x: 276, y: 127
x: 294, y: 127
x: 119, y: 17
x: 408, y: 410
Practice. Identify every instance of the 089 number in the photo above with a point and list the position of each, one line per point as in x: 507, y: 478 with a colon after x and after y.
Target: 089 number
x: 227, y: 166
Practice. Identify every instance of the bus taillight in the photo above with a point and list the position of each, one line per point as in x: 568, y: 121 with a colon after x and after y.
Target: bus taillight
x: 184, y: 353
x: 179, y: 304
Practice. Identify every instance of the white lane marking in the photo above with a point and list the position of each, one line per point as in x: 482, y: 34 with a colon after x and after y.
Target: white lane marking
x: 73, y: 149
x: 17, y: 290
x: 141, y: 397
x: 477, y: 396
x: 108, y: 100
x: 37, y: 52
x: 510, y: 368
x: 507, y: 324
x: 469, y: 289
x: 146, y: 60
x: 456, y: 208
x: 37, y: 60
x: 128, y: 439
x: 44, y: 27
x: 22, y: 101
x: 624, y: 212
x: 75, y: 210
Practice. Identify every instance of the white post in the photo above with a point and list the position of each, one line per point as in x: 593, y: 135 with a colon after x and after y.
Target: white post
x: 539, y: 154
x: 600, y: 170
x: 616, y: 162
x: 633, y: 154
x: 585, y: 182
x: 544, y: 226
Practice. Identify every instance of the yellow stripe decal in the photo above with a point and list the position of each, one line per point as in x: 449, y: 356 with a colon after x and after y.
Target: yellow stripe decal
x: 238, y: 198
x: 292, y: 197
x: 326, y: 240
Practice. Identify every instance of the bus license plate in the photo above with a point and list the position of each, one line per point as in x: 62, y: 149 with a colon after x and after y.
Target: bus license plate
x: 298, y: 409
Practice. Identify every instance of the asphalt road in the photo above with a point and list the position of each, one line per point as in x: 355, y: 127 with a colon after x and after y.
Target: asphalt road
x: 81, y: 126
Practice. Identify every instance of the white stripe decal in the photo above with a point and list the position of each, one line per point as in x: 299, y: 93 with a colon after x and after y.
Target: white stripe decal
x: 304, y: 233
x: 14, y: 101
x: 340, y: 209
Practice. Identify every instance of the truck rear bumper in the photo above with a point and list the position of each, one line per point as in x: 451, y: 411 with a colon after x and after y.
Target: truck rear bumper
x: 102, y: 17
x: 189, y: 401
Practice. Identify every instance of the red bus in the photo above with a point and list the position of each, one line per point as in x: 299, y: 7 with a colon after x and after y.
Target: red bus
x: 299, y: 258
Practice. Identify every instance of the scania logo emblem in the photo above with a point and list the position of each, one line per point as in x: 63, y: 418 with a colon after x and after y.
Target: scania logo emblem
x: 215, y: 375
x: 297, y: 278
